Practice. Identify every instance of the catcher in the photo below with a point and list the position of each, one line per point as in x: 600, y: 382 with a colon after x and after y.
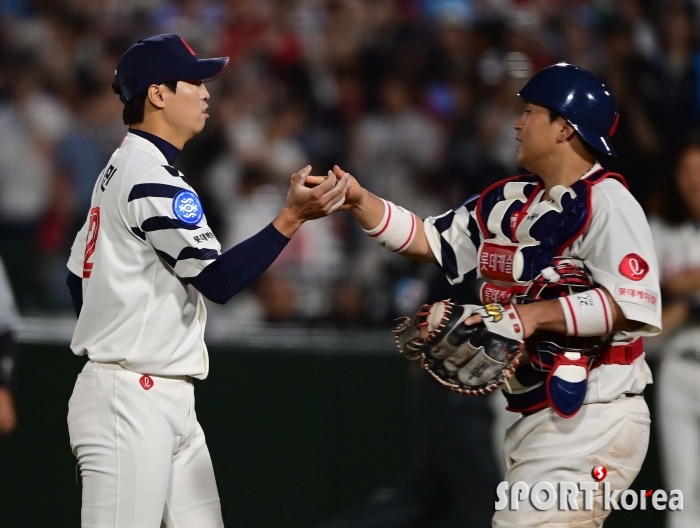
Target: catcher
x: 571, y: 287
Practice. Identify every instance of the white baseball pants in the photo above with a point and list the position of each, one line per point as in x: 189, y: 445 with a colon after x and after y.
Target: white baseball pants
x: 546, y: 447
x: 142, y: 454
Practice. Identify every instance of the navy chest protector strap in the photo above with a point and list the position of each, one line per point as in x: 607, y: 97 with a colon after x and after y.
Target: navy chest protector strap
x: 513, y: 252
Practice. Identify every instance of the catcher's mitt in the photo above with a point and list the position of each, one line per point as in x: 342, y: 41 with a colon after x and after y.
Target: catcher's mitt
x: 469, y: 359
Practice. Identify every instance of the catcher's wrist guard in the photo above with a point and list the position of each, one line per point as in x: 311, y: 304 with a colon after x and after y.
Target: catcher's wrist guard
x: 470, y: 359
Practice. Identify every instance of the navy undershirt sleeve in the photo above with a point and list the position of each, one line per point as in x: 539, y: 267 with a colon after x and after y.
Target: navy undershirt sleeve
x: 75, y: 286
x: 239, y: 266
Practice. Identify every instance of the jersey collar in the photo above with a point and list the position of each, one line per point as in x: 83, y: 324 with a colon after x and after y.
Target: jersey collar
x: 167, y: 149
x: 595, y: 168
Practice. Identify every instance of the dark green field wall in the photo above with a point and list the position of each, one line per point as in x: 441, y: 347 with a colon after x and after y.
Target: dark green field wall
x: 295, y: 438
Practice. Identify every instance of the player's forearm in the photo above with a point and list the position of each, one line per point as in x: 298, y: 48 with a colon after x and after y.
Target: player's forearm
x: 236, y: 268
x: 369, y: 212
x: 548, y: 316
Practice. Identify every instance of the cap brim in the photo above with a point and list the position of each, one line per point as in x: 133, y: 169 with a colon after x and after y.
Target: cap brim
x: 203, y: 70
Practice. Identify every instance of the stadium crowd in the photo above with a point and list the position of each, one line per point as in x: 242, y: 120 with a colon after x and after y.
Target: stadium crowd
x: 414, y: 97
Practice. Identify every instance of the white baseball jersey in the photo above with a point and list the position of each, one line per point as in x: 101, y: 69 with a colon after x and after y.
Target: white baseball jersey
x: 146, y: 236
x: 616, y: 246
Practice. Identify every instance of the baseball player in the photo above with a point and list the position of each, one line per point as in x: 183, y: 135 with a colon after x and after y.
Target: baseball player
x: 579, y: 409
x: 677, y: 241
x: 138, y: 270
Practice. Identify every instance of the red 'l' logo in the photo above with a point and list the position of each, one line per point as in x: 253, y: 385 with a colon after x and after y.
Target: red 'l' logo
x: 634, y: 267
x: 146, y: 382
x: 187, y: 46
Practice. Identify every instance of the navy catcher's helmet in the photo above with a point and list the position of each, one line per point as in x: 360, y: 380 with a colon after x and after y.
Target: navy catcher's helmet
x: 580, y: 98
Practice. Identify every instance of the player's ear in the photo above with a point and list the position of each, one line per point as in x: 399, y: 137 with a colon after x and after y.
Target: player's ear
x: 155, y: 96
x: 566, y: 132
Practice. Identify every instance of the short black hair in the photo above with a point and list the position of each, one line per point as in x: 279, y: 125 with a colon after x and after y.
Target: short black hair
x: 135, y: 109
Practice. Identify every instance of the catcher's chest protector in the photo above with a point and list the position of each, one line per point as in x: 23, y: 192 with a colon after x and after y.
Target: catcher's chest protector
x: 521, y: 239
x: 522, y: 236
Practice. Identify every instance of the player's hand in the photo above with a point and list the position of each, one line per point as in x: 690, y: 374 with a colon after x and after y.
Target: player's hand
x: 355, y: 193
x: 8, y: 417
x: 306, y: 202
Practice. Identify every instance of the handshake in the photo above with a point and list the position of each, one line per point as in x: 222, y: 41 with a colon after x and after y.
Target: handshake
x: 312, y: 197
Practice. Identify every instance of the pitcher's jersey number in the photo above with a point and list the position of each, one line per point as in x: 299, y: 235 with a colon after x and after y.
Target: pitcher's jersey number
x: 91, y: 242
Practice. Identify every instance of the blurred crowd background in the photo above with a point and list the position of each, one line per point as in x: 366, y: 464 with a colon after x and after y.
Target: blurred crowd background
x: 414, y: 97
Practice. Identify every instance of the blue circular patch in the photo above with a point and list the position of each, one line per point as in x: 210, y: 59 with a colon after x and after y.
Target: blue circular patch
x: 187, y: 207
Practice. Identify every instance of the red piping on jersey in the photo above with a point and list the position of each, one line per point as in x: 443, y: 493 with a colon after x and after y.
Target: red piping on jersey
x: 590, y: 182
x: 410, y: 235
x: 387, y: 222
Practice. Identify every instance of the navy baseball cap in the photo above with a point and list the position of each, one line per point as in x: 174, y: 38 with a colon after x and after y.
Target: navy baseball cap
x: 156, y: 60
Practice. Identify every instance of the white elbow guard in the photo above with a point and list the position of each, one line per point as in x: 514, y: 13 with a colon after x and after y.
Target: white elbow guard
x: 396, y: 230
x: 587, y: 313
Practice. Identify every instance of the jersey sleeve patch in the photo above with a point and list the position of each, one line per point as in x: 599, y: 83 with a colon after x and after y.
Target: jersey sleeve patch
x: 187, y: 207
x: 636, y: 294
x: 634, y: 267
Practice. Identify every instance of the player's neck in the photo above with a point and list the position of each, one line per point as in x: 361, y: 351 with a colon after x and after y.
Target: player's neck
x: 163, y: 131
x: 564, y: 171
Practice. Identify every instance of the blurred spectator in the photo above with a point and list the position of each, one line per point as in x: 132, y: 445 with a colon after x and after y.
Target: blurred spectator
x: 636, y: 83
x: 644, y: 37
x: 504, y: 109
x: 677, y: 240
x: 680, y: 72
x: 398, y: 148
x: 9, y: 320
x: 415, y: 96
